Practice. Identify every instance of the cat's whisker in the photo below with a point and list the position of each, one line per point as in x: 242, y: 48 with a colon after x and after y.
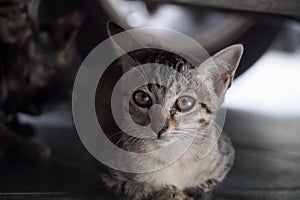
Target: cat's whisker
x: 188, y: 145
x: 127, y: 140
x: 198, y: 139
x: 192, y: 140
x: 130, y: 138
x: 108, y: 139
x: 195, y: 133
x: 124, y: 137
x: 218, y: 139
x: 192, y: 149
x: 119, y: 141
x: 113, y: 135
x: 133, y: 142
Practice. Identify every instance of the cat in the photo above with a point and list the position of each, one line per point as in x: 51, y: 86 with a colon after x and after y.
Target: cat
x: 189, y: 177
x: 16, y: 20
x: 30, y: 80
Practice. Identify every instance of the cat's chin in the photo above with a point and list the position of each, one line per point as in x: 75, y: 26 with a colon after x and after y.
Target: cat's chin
x: 166, y: 138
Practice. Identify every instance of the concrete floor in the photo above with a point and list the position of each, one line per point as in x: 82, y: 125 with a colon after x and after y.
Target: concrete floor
x: 267, y: 164
x: 70, y: 173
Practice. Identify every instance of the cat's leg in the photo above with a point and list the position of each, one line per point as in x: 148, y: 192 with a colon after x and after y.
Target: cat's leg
x: 130, y: 190
x: 12, y: 143
x: 142, y: 191
x: 198, y: 194
x: 170, y: 193
x: 134, y: 191
x: 202, y: 192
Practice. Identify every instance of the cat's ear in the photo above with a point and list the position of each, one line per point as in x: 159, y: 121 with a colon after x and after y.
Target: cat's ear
x: 126, y: 41
x: 114, y: 29
x: 219, y: 70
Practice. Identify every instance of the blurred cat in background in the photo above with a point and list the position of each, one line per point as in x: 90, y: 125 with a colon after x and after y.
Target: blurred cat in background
x: 32, y: 58
x: 16, y: 20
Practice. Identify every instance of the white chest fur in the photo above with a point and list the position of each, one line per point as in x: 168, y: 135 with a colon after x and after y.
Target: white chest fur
x: 188, y: 171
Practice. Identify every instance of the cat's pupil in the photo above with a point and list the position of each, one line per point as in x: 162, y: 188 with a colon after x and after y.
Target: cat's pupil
x: 144, y: 98
x: 186, y: 103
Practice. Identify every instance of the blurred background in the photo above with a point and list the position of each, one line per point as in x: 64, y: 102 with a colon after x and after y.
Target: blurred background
x: 263, y: 116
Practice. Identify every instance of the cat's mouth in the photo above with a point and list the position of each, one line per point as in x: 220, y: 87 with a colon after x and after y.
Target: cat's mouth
x: 163, y: 132
x: 166, y: 136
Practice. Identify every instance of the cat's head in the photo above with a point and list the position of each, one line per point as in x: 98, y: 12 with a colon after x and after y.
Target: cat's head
x: 187, y: 101
x: 52, y: 45
x: 17, y: 17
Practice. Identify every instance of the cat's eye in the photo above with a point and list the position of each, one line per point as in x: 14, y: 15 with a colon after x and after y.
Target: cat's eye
x: 142, y: 99
x: 185, y: 103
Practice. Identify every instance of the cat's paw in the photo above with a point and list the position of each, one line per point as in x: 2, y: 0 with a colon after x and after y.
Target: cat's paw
x: 171, y: 195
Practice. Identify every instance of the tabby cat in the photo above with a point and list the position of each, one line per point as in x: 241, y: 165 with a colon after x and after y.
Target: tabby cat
x: 189, y: 177
x: 29, y: 70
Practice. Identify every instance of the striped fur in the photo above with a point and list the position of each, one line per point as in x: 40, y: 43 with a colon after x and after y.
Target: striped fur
x: 208, y: 158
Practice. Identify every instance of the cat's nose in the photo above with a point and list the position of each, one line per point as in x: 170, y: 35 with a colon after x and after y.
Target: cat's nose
x: 158, y: 119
